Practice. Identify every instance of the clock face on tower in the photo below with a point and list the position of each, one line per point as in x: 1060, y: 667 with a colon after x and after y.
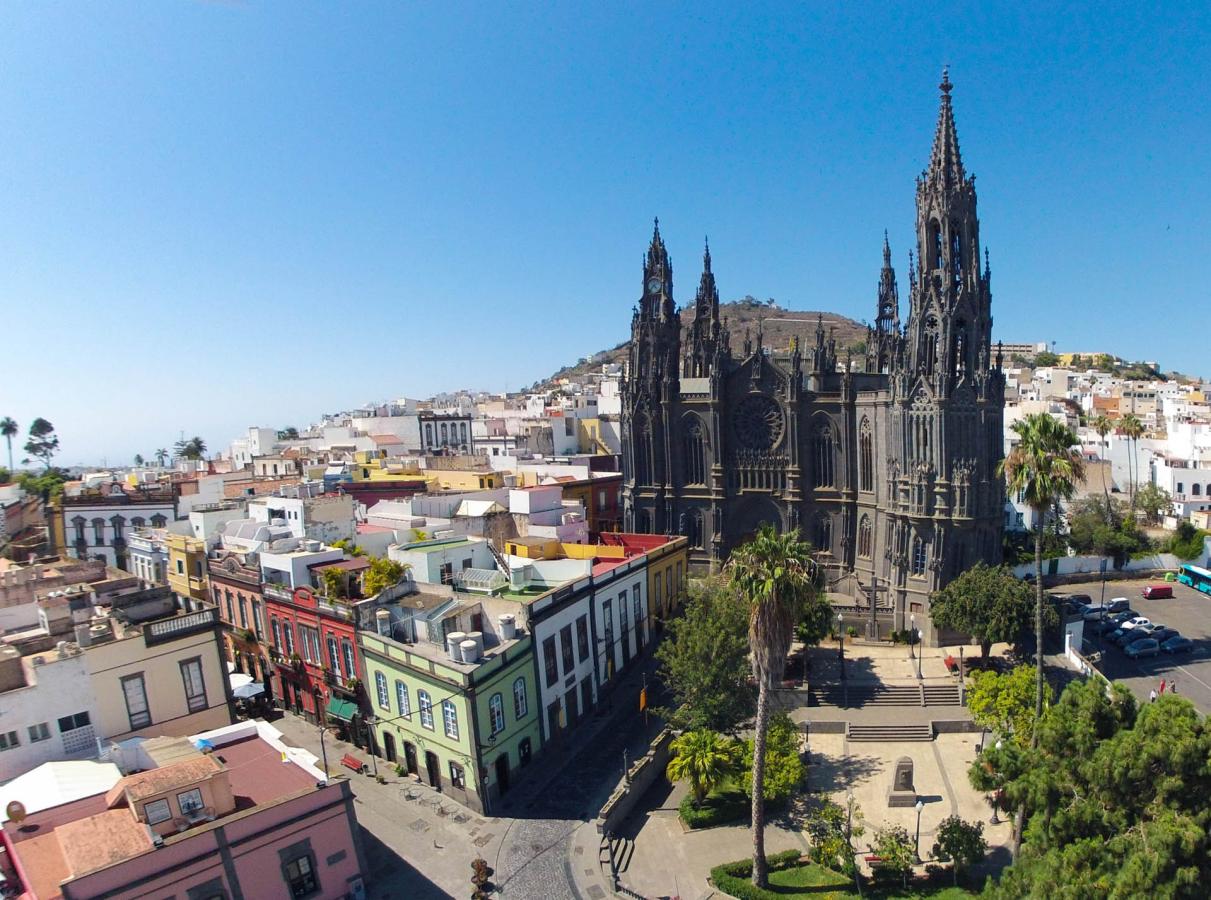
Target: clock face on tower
x: 653, y: 285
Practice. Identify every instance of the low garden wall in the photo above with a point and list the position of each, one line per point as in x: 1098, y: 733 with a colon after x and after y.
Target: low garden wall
x: 642, y: 774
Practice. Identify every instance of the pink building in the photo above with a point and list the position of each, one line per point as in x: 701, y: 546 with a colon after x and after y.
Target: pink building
x: 230, y: 813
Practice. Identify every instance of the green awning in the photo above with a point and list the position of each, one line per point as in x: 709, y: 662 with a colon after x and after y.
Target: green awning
x: 342, y: 709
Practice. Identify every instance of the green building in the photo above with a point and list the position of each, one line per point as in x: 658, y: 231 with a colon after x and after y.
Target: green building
x: 453, y: 694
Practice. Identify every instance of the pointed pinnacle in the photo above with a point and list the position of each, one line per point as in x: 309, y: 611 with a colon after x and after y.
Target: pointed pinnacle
x: 886, y: 251
x: 706, y: 255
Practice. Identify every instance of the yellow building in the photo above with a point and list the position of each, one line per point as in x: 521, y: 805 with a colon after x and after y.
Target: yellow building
x: 465, y: 479
x: 668, y: 566
x: 187, y: 567
x: 588, y: 436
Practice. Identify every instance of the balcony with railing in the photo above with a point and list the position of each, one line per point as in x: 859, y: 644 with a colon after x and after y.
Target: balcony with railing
x: 162, y: 630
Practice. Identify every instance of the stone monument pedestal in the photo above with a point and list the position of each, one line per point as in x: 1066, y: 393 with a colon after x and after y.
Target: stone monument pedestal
x: 902, y: 793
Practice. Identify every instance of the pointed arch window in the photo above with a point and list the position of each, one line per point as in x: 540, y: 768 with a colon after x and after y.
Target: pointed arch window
x: 695, y: 451
x: 918, y: 557
x: 694, y: 530
x: 960, y: 348
x: 823, y: 452
x: 934, y: 246
x: 642, y: 450
x: 822, y: 533
x: 865, y: 536
x: 929, y: 352
x: 956, y: 255
x: 866, y: 456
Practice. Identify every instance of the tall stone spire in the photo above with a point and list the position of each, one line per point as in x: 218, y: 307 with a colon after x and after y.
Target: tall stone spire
x: 888, y: 319
x: 658, y: 279
x: 705, y: 329
x: 945, y: 163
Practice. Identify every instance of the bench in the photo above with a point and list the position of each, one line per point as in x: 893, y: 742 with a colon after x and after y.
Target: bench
x: 350, y: 761
x: 873, y: 858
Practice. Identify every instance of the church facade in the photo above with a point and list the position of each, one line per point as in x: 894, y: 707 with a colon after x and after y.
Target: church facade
x: 886, y: 463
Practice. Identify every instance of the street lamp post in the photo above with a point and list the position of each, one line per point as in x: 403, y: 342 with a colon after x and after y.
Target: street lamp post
x: 840, y: 647
x: 917, y: 848
x: 920, y: 653
x: 912, y: 631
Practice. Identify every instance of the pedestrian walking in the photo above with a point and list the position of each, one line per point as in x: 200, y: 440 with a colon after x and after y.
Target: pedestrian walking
x: 1173, y: 686
x: 1162, y: 687
x: 1152, y: 696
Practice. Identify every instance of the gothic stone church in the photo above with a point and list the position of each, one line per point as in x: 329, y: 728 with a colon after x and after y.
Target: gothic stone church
x: 887, y: 464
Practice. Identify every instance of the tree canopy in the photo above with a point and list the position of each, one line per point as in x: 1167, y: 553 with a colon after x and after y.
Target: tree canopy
x: 988, y: 602
x: 1004, y: 703
x: 704, y: 660
x: 1114, y: 797
x: 382, y: 574
x: 784, y: 768
x: 1154, y: 501
x: 43, y: 443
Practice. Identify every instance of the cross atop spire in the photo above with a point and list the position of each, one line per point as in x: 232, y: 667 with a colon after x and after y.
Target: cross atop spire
x: 945, y: 164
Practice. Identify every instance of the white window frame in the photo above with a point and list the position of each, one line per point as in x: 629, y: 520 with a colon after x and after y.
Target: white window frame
x: 380, y: 687
x: 450, y: 719
x: 425, y: 702
x: 521, y: 703
x: 496, y: 712
x: 402, y: 701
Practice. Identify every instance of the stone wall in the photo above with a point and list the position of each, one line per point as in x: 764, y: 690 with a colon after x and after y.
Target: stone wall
x: 641, y: 776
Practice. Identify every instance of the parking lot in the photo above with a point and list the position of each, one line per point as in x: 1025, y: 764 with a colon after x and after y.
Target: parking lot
x: 1188, y: 611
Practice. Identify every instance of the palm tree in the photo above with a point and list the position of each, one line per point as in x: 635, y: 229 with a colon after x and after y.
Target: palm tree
x: 775, y: 574
x: 1046, y: 467
x: 8, y: 428
x: 705, y: 758
x: 194, y: 448
x: 161, y: 456
x: 1133, y: 428
x: 1103, y: 426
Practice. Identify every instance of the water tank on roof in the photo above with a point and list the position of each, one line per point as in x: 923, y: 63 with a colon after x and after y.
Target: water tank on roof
x: 453, y: 645
x: 478, y: 637
x: 470, y: 651
x: 508, y: 626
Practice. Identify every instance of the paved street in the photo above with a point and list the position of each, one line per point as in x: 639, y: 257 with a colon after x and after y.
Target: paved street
x: 420, y: 844
x: 1188, y: 611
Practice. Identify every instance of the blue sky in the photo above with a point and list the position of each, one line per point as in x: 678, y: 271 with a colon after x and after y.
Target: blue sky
x: 220, y: 214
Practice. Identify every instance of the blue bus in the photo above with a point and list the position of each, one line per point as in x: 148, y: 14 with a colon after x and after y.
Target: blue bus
x: 1195, y: 576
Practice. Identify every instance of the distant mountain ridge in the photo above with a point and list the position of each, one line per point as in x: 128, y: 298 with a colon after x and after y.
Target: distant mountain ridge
x: 778, y: 327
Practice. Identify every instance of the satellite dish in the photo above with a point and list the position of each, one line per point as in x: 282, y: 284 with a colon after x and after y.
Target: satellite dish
x: 15, y: 811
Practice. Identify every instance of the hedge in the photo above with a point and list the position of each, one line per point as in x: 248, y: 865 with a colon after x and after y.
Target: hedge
x: 733, y: 878
x: 717, y: 809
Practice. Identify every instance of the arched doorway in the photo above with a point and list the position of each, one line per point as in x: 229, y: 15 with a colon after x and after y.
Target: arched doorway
x: 433, y: 769
x: 410, y: 758
x: 389, y: 746
x: 502, y: 773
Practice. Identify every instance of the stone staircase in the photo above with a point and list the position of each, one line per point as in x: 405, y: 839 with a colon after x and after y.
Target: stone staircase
x: 888, y: 733
x: 859, y: 694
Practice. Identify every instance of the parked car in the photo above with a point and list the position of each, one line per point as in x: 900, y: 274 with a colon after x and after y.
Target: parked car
x: 1093, y: 613
x: 1146, y: 647
x: 1178, y: 644
x: 1136, y: 622
x: 1122, y: 638
x: 1158, y: 592
x: 1162, y: 634
x: 1118, y: 605
x: 1113, y: 623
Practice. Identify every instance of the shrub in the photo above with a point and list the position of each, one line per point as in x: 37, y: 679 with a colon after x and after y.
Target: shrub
x: 852, y: 631
x: 733, y: 878
x: 717, y: 809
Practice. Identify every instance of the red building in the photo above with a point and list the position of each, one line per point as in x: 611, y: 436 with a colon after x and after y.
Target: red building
x: 315, y: 653
x: 235, y: 588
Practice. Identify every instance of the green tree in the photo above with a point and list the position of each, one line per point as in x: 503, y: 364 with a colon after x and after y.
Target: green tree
x: 832, y: 829
x: 705, y: 759
x: 5, y: 475
x: 1046, y: 358
x: 896, y: 851
x: 1103, y: 527
x: 776, y: 576
x: 46, y: 484
x: 43, y: 443
x: 1103, y: 426
x: 961, y: 843
x: 816, y: 620
x: 1154, y: 500
x: 1004, y: 703
x: 784, y: 768
x: 349, y: 547
x: 987, y: 602
x: 1045, y: 467
x: 8, y: 428
x: 382, y: 574
x: 1133, y: 429
x: 288, y: 434
x: 1115, y: 797
x: 704, y: 660
x: 139, y: 459
x: 193, y: 448
x: 334, y: 583
x: 161, y: 456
